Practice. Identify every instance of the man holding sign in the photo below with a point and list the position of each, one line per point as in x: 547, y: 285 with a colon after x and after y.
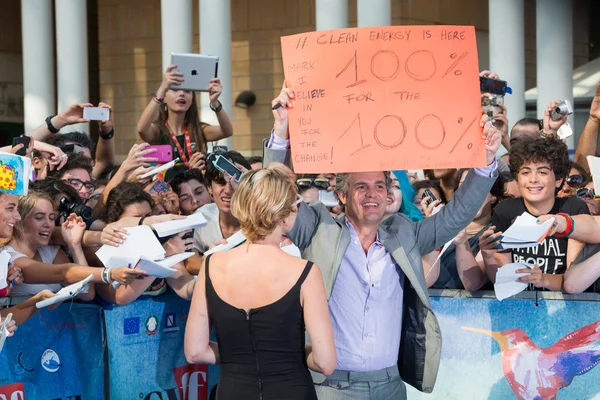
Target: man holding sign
x: 385, y: 331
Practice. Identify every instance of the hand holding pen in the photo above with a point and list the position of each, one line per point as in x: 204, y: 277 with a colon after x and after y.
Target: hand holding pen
x: 280, y: 106
x: 15, y: 275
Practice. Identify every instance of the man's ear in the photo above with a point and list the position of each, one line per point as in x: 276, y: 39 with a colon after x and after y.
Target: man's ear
x: 342, y: 196
x: 559, y: 183
x: 36, y: 162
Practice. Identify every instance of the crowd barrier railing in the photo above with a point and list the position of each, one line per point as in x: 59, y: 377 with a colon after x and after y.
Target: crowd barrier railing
x: 537, y: 345
x: 82, y: 351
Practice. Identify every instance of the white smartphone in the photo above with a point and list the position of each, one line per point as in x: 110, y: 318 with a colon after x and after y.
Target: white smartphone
x: 96, y: 113
x: 565, y: 131
x: 327, y: 197
x: 162, y: 168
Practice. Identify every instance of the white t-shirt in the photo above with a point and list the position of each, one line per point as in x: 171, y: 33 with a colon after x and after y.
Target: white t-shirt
x: 47, y: 254
x: 205, y: 237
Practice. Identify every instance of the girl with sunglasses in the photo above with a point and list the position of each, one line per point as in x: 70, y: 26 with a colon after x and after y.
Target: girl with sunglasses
x: 577, y: 178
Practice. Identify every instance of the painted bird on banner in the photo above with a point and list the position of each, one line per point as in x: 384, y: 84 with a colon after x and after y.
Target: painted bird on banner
x: 539, y: 373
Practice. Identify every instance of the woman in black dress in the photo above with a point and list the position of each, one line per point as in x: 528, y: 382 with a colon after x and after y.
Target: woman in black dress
x: 260, y: 301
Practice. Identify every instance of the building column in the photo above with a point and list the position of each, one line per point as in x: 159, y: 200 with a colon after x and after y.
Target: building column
x: 176, y: 29
x: 72, y: 56
x: 38, y: 62
x: 215, y: 39
x: 507, y: 52
x: 332, y: 14
x: 554, y: 41
x: 374, y: 12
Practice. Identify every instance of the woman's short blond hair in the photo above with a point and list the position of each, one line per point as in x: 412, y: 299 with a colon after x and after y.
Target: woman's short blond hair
x: 263, y: 199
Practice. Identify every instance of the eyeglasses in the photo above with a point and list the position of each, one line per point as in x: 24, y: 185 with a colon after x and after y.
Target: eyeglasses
x: 585, y: 193
x: 319, y: 183
x: 575, y: 181
x: 77, y: 184
x: 299, y: 200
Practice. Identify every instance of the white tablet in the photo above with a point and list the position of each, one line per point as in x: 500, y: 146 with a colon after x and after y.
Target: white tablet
x: 197, y: 70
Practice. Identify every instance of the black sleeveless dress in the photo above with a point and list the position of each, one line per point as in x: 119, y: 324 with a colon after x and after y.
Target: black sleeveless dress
x: 262, y: 351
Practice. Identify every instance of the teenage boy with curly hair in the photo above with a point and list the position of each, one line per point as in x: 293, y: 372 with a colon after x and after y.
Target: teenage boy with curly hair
x: 539, y: 166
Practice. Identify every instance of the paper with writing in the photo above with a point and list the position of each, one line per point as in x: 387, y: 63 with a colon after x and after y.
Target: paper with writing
x: 507, y: 280
x: 66, y: 293
x: 384, y: 98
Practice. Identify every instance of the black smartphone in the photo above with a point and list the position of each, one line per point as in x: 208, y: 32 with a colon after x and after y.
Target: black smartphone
x: 492, y: 86
x: 226, y: 166
x: 430, y: 197
x: 25, y: 140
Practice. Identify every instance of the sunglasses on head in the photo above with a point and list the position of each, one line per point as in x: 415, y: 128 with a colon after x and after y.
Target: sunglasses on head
x: 575, y: 180
x: 319, y: 183
x: 585, y: 193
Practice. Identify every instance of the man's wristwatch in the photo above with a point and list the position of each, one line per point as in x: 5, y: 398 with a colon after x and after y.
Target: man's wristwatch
x: 218, y: 108
x: 51, y: 127
x: 108, y: 135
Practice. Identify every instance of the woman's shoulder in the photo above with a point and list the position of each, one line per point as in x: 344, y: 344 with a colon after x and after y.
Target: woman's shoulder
x: 11, y: 252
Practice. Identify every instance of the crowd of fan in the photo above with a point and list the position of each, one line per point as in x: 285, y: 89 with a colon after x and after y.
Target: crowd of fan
x: 80, y: 199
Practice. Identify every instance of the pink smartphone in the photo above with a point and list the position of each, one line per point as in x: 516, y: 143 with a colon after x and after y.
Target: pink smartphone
x: 164, y: 153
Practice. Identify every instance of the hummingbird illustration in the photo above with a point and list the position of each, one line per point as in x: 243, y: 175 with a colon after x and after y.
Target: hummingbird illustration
x: 535, y: 373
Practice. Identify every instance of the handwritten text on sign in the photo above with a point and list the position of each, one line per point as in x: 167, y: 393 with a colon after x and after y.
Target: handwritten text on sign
x: 384, y: 98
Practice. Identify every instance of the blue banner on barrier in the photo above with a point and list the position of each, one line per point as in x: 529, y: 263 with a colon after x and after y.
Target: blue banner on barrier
x: 57, y: 354
x: 145, y: 353
x: 517, y: 349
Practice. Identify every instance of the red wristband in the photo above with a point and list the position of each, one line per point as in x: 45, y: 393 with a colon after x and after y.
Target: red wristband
x: 569, y: 228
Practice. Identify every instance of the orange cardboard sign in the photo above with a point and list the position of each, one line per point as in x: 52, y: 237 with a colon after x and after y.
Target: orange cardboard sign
x: 384, y: 98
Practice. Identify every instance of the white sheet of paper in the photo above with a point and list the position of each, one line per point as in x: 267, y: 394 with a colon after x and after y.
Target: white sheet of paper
x: 594, y: 164
x: 4, y: 260
x: 4, y: 330
x: 162, y: 268
x: 525, y: 231
x: 66, y: 293
x: 140, y: 242
x: 193, y: 221
x: 232, y: 241
x: 507, y: 280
